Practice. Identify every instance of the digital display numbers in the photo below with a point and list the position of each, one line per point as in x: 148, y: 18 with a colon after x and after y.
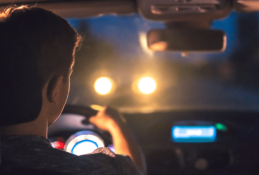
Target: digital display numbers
x: 194, y: 134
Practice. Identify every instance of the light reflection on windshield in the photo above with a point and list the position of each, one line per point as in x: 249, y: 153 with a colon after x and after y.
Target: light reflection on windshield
x: 114, y: 46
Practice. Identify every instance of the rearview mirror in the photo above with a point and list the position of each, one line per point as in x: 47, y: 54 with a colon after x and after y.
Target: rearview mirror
x: 186, y: 40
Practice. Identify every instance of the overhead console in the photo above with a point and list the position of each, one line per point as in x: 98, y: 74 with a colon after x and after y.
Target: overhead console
x: 184, y: 10
x: 188, y: 24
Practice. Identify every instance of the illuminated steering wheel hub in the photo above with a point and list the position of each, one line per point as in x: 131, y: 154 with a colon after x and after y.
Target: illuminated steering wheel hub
x: 83, y: 142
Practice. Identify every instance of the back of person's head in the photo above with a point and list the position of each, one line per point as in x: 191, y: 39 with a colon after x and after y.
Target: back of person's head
x: 36, y: 46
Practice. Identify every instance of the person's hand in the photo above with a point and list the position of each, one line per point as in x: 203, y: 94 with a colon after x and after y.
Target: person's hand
x: 107, y: 119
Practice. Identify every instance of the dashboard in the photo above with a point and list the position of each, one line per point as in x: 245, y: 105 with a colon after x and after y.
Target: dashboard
x: 181, y: 142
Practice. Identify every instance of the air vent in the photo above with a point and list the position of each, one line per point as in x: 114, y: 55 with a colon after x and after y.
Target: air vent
x: 165, y: 9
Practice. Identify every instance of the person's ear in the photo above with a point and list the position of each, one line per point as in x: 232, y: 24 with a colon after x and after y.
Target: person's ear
x: 54, y: 87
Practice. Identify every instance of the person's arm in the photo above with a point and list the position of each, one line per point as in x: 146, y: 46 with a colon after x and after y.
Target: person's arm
x: 124, y: 143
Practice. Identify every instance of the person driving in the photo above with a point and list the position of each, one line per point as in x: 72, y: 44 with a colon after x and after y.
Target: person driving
x: 37, y: 55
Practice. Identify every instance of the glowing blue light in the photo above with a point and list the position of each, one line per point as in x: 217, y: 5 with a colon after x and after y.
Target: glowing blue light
x: 111, y: 147
x: 84, y: 147
x: 194, y: 134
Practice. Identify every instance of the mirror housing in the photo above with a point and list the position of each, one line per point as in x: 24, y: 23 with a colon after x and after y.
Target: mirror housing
x: 186, y: 40
x: 246, y: 5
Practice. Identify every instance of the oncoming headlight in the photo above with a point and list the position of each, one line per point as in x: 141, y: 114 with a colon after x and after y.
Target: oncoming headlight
x: 147, y: 85
x: 103, y: 85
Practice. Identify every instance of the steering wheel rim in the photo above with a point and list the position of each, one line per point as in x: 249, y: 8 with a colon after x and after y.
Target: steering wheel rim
x: 86, y: 111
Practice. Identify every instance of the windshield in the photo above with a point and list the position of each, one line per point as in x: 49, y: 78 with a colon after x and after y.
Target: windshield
x: 115, y: 47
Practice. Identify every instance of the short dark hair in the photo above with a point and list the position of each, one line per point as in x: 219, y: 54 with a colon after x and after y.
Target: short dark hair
x: 49, y: 37
x: 35, y: 46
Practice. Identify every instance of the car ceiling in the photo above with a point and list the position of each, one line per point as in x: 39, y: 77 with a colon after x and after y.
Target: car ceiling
x: 88, y: 8
x: 75, y: 9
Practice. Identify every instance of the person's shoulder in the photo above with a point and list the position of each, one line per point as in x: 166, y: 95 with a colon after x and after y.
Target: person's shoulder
x: 109, y: 160
x: 37, y: 153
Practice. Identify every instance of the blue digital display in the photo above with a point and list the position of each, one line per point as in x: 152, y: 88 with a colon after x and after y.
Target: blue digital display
x: 194, y: 134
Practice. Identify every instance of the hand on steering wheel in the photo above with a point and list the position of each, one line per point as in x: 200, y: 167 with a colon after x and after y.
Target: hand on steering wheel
x: 106, y: 119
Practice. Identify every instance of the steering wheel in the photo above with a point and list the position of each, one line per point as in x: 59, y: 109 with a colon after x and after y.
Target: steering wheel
x: 87, y: 112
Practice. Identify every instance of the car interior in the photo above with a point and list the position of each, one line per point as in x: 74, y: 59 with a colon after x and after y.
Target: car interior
x: 184, y: 74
